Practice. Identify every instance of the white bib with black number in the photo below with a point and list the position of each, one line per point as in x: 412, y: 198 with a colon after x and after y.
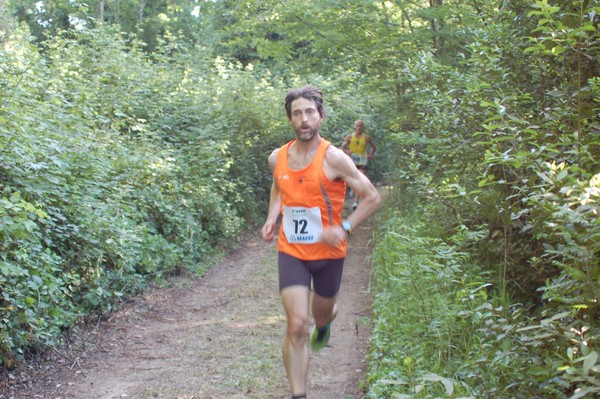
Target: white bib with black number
x: 359, y: 159
x: 302, y: 225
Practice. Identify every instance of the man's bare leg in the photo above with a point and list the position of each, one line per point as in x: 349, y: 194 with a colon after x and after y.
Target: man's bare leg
x: 295, y: 349
x: 324, y: 310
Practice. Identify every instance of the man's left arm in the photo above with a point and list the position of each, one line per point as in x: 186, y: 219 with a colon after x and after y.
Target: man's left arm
x: 342, y: 167
x: 370, y: 199
x: 371, y: 143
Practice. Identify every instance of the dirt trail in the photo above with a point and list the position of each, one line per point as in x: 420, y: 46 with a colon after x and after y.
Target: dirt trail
x: 216, y: 337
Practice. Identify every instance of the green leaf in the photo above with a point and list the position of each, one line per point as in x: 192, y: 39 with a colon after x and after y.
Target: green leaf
x: 539, y: 371
x: 447, y: 383
x: 544, y: 177
x: 590, y: 361
x: 584, y: 393
x: 562, y: 175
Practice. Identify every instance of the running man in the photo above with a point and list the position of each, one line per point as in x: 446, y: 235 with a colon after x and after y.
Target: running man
x: 308, y: 189
x: 356, y: 144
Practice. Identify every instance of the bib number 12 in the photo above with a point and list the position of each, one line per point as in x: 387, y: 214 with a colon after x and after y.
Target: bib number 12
x: 302, y: 225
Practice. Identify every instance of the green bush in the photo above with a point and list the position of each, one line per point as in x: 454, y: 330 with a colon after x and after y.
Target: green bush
x: 419, y: 334
x: 37, y: 294
x: 504, y: 149
x: 444, y: 327
x: 97, y: 202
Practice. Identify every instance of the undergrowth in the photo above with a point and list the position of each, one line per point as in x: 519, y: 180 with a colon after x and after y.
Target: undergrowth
x: 444, y: 328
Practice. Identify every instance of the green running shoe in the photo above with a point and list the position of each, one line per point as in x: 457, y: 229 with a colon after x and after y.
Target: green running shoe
x: 319, y: 338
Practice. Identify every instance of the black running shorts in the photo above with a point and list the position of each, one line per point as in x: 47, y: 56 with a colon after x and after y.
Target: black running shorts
x: 326, y: 274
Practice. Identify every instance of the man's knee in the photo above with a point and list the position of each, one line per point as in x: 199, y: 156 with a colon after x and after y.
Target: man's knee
x: 298, y: 328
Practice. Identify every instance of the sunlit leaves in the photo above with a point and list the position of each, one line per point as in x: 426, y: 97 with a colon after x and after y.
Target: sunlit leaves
x: 510, y: 146
x: 100, y: 197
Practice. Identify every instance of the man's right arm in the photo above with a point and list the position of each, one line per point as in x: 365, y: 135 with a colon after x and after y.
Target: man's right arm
x: 268, y: 230
x: 346, y: 143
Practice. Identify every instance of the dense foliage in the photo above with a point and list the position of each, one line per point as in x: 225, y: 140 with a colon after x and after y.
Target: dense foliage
x: 505, y: 153
x: 133, y: 140
x: 96, y: 203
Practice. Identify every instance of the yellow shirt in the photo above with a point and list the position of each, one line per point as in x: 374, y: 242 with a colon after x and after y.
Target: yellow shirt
x: 358, y: 148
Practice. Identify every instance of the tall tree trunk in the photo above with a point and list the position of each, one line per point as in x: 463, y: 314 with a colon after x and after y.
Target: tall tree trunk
x: 142, y: 9
x: 101, y: 11
x: 437, y: 25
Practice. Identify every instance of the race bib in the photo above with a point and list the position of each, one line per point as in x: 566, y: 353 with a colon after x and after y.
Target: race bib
x: 302, y: 225
x: 359, y: 159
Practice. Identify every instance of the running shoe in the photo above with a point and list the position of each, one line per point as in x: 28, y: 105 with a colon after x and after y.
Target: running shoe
x: 319, y: 338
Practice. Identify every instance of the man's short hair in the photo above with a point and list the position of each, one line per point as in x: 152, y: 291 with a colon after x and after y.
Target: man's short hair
x: 310, y: 93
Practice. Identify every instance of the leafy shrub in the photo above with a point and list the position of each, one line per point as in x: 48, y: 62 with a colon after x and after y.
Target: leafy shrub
x: 416, y: 278
x: 36, y: 300
x: 444, y: 328
x: 96, y: 205
x: 506, y: 149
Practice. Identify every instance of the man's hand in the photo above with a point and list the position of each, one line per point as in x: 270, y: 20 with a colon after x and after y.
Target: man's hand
x: 333, y: 235
x: 268, y: 232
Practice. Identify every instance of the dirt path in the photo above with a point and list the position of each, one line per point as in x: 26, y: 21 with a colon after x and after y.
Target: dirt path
x: 217, y: 337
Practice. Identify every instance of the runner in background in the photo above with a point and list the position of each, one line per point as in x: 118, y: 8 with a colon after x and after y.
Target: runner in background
x: 356, y: 145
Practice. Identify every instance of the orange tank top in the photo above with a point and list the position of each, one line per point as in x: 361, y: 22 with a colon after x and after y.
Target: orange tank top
x: 310, y: 201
